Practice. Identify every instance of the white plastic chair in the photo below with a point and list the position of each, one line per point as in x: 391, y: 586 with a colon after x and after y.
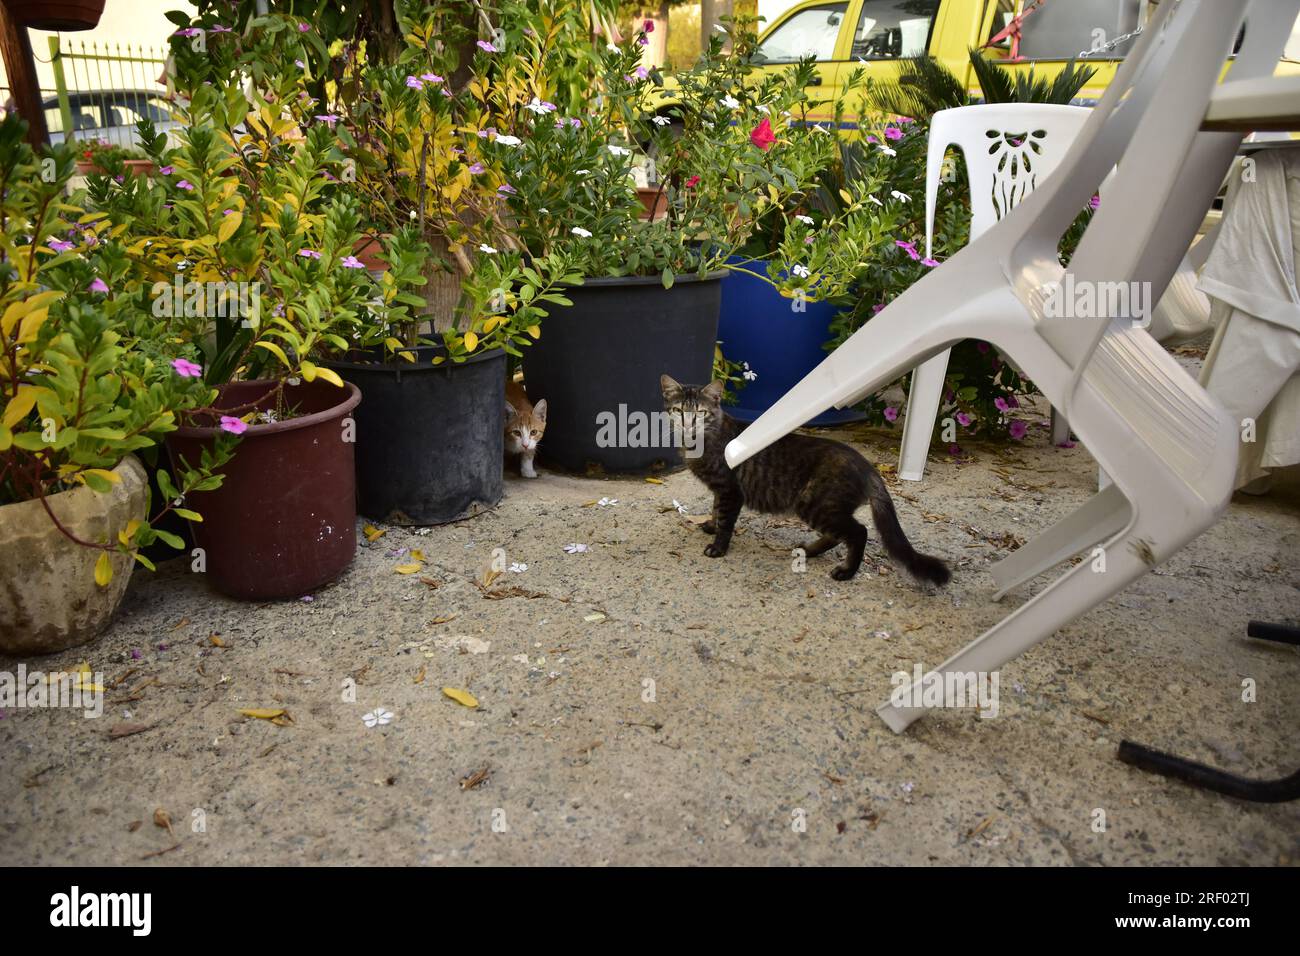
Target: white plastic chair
x: 1010, y: 148
x: 1170, y: 449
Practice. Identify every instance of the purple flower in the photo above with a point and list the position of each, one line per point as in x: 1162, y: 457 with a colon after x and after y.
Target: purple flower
x: 1094, y: 202
x: 963, y: 419
x: 352, y: 262
x: 330, y: 118
x: 165, y: 170
x: 218, y: 28
x: 304, y: 27
x: 476, y: 169
x: 929, y: 263
x: 487, y: 47
x: 891, y: 414
x: 485, y: 133
x: 99, y: 285
x: 431, y: 77
x: 309, y: 253
x: 1065, y: 444
x: 909, y: 248
x: 1013, y: 402
x: 236, y: 426
x: 135, y: 654
x: 299, y: 64
x: 955, y: 451
x: 414, y: 83
x: 643, y: 41
x: 186, y: 369
x: 1000, y: 404
x: 1018, y: 429
x: 445, y: 92
x: 184, y: 184
x: 641, y: 72
x: 187, y: 32
x: 58, y: 245
x: 878, y: 307
x: 507, y: 189
x: 893, y: 132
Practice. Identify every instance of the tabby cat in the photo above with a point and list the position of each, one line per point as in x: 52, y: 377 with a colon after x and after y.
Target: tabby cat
x: 525, y: 425
x: 821, y: 481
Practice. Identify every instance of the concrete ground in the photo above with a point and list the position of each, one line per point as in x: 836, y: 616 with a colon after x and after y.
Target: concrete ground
x: 640, y: 703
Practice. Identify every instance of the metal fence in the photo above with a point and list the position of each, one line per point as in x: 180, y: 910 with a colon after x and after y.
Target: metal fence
x: 101, y: 90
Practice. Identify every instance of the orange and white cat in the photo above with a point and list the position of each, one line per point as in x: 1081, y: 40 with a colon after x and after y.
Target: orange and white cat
x: 525, y: 425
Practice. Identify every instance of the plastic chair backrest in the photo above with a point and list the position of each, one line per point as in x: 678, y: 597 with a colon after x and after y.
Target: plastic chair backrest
x: 1010, y: 148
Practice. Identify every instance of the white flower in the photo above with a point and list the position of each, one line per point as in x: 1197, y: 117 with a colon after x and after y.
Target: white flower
x: 576, y: 548
x: 611, y: 47
x: 413, y: 216
x: 808, y: 220
x: 582, y: 172
x: 749, y: 375
x: 606, y: 502
x: 508, y: 140
x: 579, y: 231
x: 661, y: 121
x: 818, y: 128
x: 619, y: 150
x: 484, y: 247
x: 801, y: 271
x: 887, y: 150
x: 901, y: 197
x: 730, y: 102
x: 681, y: 508
x: 874, y: 200
x: 720, y: 28
x: 762, y: 109
x: 378, y: 717
x: 517, y: 568
x: 538, y: 107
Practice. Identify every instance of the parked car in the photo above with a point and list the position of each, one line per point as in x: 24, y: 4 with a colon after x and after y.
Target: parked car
x: 845, y: 35
x: 109, y: 115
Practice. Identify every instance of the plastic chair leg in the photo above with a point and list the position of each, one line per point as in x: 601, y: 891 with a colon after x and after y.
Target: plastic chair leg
x: 922, y: 408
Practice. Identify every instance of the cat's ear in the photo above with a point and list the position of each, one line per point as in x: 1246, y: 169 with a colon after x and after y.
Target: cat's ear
x: 539, y: 411
x: 713, y: 392
x: 671, y: 388
x: 510, y: 412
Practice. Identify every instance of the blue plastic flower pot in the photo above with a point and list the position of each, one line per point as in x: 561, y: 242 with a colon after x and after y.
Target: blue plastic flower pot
x: 759, y: 326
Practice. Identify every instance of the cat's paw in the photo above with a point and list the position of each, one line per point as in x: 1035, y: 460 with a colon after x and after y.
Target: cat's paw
x: 841, y: 573
x: 715, y: 550
x: 709, y: 527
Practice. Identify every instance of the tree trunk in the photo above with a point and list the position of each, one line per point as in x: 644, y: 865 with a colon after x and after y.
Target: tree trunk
x: 16, y: 48
x: 711, y: 14
x: 442, y: 290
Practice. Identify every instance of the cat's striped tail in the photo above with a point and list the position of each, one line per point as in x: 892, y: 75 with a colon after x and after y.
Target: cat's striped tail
x: 923, y: 567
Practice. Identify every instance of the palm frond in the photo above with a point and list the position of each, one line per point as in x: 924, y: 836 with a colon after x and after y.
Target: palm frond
x: 924, y: 87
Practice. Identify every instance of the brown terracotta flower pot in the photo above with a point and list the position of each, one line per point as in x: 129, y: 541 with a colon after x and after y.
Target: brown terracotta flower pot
x: 284, y: 519
x: 56, y: 15
x: 654, y: 200
x: 370, y: 250
x: 49, y: 600
x: 139, y: 167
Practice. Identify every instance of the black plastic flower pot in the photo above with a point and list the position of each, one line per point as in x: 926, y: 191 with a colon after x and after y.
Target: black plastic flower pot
x: 598, y: 363
x: 430, y: 438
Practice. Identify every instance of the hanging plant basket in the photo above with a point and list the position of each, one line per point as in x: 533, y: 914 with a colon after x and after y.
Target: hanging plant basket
x: 56, y: 15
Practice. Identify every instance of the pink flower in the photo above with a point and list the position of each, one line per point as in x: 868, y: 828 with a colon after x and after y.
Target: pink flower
x: 893, y: 132
x: 414, y: 83
x: 186, y: 369
x: 99, y: 285
x: 58, y: 245
x: 963, y: 419
x: 762, y: 135
x: 352, y: 262
x: 1000, y: 404
x: 187, y: 32
x: 476, y: 169
x: 878, y: 307
x: 930, y: 263
x: 1018, y: 429
x: 1094, y: 202
x: 891, y: 414
x: 507, y: 189
x: 184, y: 184
x: 431, y: 77
x: 329, y: 118
x: 487, y: 47
x: 309, y: 253
x: 304, y: 27
x: 1065, y: 444
x: 641, y: 72
x: 165, y: 170
x: 909, y: 248
x: 236, y: 426
x: 692, y: 182
x: 218, y: 28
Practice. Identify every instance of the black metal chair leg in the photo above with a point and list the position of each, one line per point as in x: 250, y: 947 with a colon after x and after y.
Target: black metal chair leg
x: 1198, y: 774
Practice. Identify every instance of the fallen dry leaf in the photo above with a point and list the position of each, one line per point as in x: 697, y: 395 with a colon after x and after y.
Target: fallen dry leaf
x: 419, y: 676
x: 413, y: 568
x: 163, y: 820
x: 216, y: 640
x: 463, y: 697
x: 431, y: 582
x: 595, y: 618
x: 474, y: 779
x: 134, y: 825
x: 126, y: 730
x: 277, y: 716
x: 655, y: 481
x: 372, y: 533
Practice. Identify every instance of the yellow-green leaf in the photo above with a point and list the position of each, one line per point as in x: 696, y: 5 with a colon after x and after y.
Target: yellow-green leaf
x: 471, y: 341
x: 329, y: 375
x: 461, y: 696
x: 19, y: 406
x: 229, y: 224
x: 276, y: 351
x: 407, y: 568
x: 103, y: 570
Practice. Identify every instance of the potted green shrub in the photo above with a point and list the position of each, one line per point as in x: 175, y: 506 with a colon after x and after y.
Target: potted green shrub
x: 247, y: 265
x: 82, y: 387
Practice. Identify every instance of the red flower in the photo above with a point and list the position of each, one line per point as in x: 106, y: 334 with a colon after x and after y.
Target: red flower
x: 692, y: 182
x: 762, y: 135
x: 648, y: 26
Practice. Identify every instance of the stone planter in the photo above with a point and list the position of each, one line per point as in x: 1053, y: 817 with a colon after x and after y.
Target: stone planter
x: 49, y: 600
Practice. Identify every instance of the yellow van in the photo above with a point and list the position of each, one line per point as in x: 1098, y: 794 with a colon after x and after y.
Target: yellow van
x: 845, y: 35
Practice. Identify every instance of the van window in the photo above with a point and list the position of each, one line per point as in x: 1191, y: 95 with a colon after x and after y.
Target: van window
x: 1063, y: 31
x: 810, y: 32
x: 893, y: 29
